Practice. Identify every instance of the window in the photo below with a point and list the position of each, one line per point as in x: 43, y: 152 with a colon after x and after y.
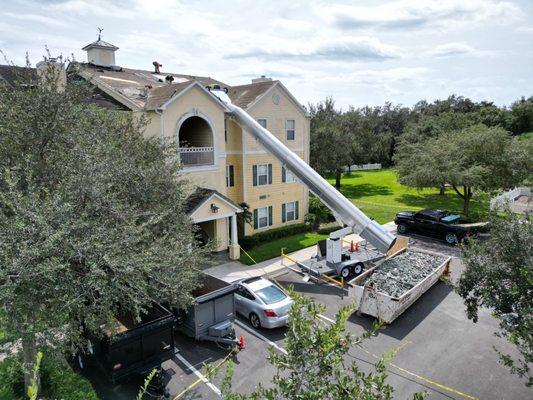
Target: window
x: 289, y: 128
x: 262, y: 217
x: 262, y: 174
x: 230, y: 182
x: 245, y: 293
x: 287, y: 176
x: 289, y: 211
x: 262, y: 122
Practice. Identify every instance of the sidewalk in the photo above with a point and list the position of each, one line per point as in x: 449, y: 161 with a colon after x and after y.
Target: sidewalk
x: 274, y: 267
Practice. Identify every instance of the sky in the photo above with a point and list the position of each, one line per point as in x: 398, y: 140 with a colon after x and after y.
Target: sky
x: 358, y: 52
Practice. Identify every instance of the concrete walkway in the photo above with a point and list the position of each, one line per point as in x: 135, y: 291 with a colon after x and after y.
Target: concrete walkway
x: 234, y: 270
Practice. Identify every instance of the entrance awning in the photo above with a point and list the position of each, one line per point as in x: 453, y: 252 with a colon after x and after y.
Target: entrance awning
x: 208, y: 204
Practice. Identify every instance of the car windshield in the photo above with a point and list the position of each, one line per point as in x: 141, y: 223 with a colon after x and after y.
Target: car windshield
x: 271, y: 294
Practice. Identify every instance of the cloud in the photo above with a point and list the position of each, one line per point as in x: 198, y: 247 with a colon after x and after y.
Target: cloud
x: 456, y: 49
x: 363, y: 48
x: 411, y: 14
x: 41, y: 19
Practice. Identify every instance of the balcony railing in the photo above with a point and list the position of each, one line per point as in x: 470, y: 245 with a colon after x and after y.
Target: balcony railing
x: 197, y: 156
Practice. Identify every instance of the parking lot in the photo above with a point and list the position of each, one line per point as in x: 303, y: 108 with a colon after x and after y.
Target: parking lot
x: 444, y: 353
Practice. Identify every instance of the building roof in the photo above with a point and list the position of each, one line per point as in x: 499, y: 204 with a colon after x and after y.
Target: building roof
x: 245, y: 95
x: 11, y: 73
x: 100, y: 44
x: 201, y: 195
x: 139, y: 88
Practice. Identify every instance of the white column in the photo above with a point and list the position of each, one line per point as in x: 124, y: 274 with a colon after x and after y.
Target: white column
x: 234, y: 238
x: 234, y: 249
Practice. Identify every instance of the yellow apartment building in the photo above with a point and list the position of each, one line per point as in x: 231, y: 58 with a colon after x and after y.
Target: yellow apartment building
x: 223, y: 163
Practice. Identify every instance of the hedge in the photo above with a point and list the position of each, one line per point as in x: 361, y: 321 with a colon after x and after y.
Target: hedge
x: 248, y: 242
x: 58, y: 381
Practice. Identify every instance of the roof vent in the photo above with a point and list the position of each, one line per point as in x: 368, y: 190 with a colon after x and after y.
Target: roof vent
x: 169, y: 78
x: 262, y: 78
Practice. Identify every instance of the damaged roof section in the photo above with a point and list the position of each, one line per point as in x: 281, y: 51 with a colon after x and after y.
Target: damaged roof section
x: 149, y: 90
x: 139, y: 88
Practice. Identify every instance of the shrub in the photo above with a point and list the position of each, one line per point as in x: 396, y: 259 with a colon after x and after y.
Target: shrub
x: 249, y: 242
x: 58, y: 381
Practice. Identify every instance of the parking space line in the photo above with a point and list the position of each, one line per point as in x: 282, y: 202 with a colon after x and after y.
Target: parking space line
x: 326, y: 318
x: 263, y: 338
x: 198, y: 374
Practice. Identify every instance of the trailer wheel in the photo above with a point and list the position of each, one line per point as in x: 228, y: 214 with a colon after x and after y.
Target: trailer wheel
x: 358, y: 268
x: 255, y: 321
x: 346, y: 272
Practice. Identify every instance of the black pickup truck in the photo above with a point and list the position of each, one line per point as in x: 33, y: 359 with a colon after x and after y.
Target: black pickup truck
x: 127, y: 347
x: 437, y: 223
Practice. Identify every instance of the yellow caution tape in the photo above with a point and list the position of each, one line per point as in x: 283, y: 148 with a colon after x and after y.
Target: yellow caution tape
x: 439, y: 385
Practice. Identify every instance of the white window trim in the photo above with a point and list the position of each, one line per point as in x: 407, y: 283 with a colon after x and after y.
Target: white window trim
x: 287, y: 130
x: 257, y: 177
x: 259, y: 218
x: 287, y: 220
x: 228, y: 176
x: 287, y: 172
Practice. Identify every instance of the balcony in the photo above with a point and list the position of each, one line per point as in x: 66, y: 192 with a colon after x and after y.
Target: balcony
x: 196, y: 156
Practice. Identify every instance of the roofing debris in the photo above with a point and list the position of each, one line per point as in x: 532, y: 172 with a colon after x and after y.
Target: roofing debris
x: 149, y: 90
x: 401, y: 273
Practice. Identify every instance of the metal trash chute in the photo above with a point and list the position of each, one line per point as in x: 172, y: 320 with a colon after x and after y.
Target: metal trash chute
x: 353, y: 218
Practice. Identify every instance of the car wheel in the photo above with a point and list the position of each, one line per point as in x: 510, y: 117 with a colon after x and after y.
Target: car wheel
x: 451, y: 238
x: 358, y: 268
x: 401, y: 228
x: 346, y: 272
x: 255, y: 321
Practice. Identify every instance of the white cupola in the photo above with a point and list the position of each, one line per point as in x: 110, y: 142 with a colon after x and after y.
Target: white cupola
x: 101, y: 53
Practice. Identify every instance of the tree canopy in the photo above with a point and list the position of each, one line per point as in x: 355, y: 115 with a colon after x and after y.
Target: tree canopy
x: 475, y: 157
x: 92, y: 221
x: 499, y: 275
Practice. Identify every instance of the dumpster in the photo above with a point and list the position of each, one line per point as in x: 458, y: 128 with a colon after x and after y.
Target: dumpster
x: 390, y: 297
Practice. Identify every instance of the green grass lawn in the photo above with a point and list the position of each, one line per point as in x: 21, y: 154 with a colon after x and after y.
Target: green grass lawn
x: 379, y: 195
x: 272, y: 249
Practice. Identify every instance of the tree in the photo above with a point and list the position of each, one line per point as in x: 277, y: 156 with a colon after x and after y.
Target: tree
x: 318, y: 213
x: 476, y: 157
x: 315, y: 366
x: 499, y: 275
x: 520, y: 118
x: 91, y: 216
x: 330, y: 148
x: 365, y: 145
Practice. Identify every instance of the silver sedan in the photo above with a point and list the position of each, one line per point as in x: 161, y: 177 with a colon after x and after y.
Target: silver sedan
x: 263, y: 302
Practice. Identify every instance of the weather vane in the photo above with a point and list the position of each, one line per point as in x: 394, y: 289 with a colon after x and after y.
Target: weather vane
x: 100, y: 33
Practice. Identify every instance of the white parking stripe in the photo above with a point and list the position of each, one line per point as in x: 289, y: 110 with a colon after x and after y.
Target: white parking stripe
x: 326, y: 318
x: 257, y: 334
x: 198, y: 374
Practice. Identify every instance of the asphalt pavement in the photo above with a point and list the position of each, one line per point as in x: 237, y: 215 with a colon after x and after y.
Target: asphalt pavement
x: 442, y: 352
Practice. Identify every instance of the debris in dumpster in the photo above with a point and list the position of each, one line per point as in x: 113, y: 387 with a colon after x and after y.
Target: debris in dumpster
x: 399, y: 274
